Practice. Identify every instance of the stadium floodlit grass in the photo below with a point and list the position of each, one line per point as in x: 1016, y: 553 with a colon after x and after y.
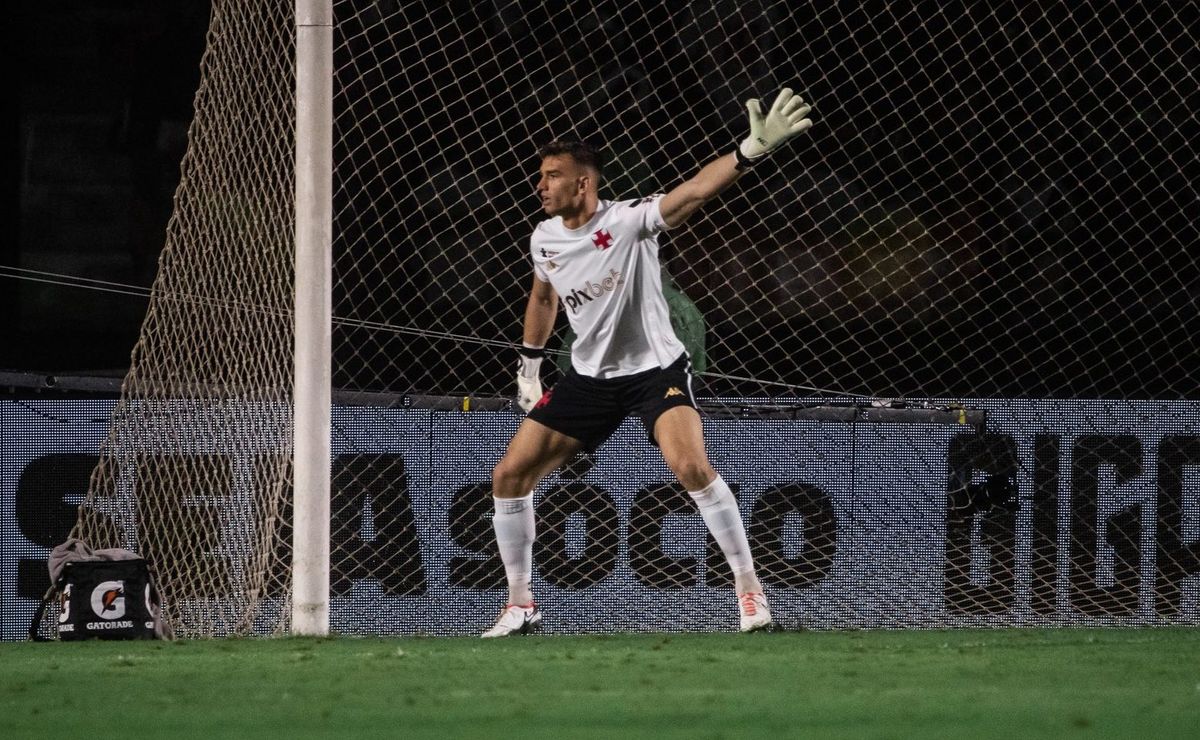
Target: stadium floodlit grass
x: 964, y: 683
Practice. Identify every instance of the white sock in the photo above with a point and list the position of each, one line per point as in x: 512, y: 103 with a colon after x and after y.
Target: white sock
x: 720, y: 511
x: 514, y: 526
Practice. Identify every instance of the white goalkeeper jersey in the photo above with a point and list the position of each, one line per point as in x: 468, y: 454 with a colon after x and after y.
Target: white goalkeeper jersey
x: 607, y: 275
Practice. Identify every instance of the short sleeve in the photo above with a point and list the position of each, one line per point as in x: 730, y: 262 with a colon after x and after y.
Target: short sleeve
x: 538, y: 271
x: 645, y: 212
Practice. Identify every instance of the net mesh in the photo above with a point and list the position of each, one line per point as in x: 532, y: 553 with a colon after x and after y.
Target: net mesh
x: 195, y: 472
x: 993, y: 204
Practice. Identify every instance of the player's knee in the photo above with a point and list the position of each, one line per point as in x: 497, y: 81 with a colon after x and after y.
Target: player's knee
x: 693, y: 473
x: 507, y: 479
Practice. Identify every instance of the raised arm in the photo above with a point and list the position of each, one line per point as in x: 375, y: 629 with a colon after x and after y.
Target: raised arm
x: 787, y: 118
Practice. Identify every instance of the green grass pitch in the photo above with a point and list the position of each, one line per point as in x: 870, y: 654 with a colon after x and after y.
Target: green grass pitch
x: 1013, y: 683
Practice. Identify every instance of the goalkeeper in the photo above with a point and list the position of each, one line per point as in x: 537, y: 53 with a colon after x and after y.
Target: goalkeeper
x: 599, y: 259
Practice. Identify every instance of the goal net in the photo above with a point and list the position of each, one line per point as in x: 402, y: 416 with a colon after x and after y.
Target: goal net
x: 946, y: 338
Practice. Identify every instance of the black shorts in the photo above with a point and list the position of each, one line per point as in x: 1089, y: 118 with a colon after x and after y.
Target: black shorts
x: 591, y: 409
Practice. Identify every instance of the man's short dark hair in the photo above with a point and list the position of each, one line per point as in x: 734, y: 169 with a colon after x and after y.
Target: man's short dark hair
x: 582, y: 152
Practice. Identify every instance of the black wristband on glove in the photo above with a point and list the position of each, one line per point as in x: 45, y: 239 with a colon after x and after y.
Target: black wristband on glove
x: 532, y: 352
x: 744, y: 162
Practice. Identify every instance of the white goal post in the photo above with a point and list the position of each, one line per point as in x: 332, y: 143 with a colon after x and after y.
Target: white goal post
x: 314, y: 310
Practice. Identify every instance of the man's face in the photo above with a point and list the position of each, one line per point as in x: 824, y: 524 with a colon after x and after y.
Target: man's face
x: 561, y: 184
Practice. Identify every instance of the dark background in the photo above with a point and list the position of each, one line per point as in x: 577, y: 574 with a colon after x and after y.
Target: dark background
x: 103, y: 95
x: 996, y: 200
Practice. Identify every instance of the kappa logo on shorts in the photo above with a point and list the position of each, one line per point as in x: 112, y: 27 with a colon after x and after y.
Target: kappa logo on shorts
x: 673, y: 391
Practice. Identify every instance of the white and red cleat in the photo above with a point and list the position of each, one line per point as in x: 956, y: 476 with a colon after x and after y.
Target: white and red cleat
x: 516, y: 620
x: 756, y: 615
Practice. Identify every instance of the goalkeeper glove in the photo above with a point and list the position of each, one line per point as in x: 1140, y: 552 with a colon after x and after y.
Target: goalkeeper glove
x: 788, y: 116
x: 529, y: 381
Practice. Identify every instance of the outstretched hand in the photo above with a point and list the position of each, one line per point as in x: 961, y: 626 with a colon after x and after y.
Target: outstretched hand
x: 788, y: 117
